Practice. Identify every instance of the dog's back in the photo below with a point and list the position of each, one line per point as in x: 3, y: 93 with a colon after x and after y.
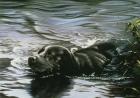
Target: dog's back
x: 95, y: 57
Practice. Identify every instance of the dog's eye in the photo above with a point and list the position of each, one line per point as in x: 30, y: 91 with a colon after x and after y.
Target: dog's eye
x: 53, y: 53
x: 49, y: 58
x: 61, y: 52
x: 58, y: 58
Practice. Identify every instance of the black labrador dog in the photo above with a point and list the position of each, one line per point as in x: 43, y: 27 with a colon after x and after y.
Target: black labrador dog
x: 55, y: 59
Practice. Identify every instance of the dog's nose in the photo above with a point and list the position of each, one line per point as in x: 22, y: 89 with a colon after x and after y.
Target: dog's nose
x: 31, y: 60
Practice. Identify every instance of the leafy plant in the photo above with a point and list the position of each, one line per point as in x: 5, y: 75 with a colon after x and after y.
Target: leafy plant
x: 134, y: 28
x: 136, y: 68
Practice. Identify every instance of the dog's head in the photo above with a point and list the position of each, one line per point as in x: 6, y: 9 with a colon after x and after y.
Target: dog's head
x: 50, y: 59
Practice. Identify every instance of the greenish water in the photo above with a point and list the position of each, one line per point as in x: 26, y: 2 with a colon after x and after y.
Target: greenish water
x: 29, y: 24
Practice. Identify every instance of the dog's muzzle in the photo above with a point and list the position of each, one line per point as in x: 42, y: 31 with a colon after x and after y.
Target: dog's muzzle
x: 31, y: 61
x: 33, y: 64
x: 39, y: 65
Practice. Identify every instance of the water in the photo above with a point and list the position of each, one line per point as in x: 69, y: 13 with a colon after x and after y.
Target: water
x: 26, y: 25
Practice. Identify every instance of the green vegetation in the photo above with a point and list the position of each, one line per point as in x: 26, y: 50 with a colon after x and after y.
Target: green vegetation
x: 134, y: 28
x: 136, y: 68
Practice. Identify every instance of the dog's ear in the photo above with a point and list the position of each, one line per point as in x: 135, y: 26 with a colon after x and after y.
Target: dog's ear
x: 41, y: 49
x: 74, y: 49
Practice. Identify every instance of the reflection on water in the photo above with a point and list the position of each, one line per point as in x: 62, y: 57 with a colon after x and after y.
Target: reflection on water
x: 28, y: 24
x: 51, y: 87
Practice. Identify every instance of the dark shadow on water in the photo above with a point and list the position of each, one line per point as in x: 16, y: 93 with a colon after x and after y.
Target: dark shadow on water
x: 50, y: 87
x: 126, y: 88
x: 4, y: 62
x: 4, y: 96
x: 58, y: 86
